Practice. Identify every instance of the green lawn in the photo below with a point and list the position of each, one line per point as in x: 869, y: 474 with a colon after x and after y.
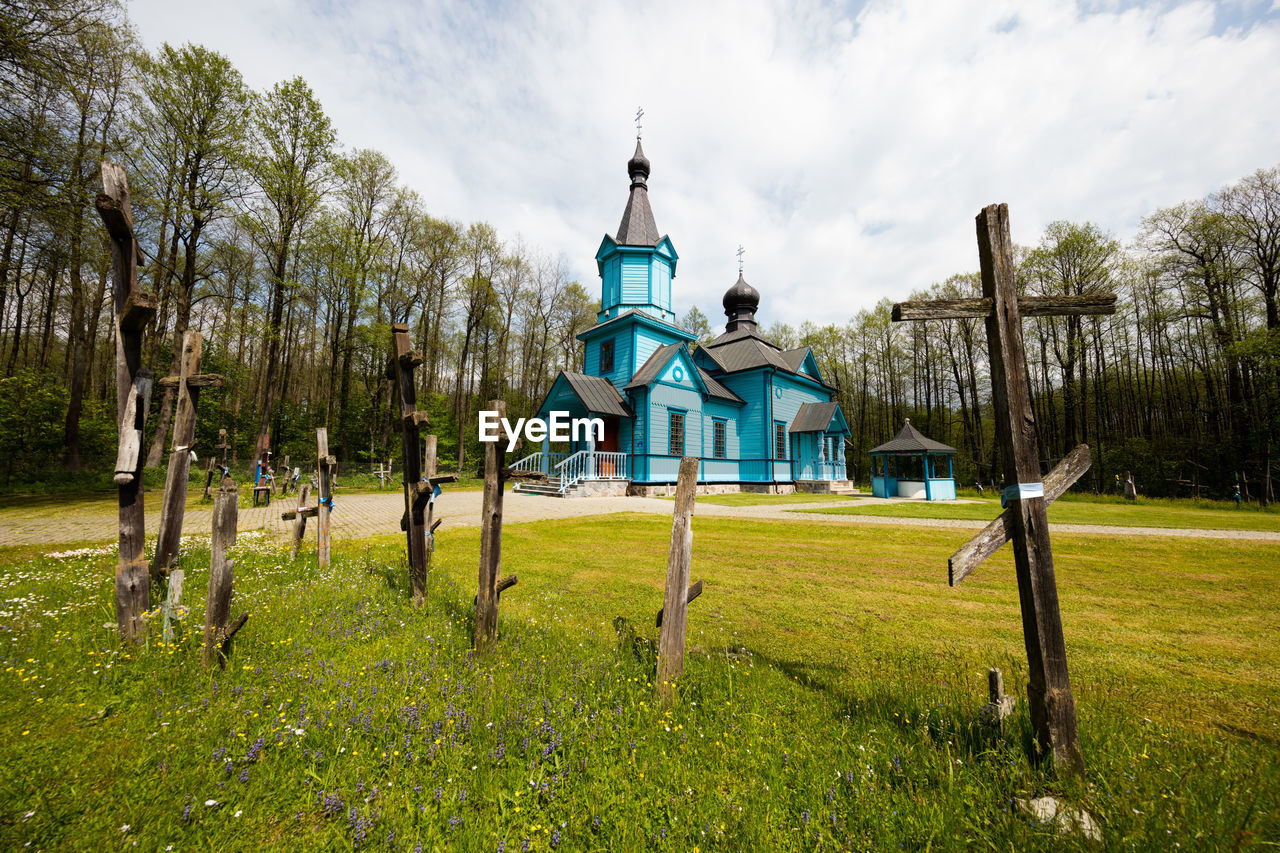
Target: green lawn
x: 830, y: 698
x: 1145, y: 512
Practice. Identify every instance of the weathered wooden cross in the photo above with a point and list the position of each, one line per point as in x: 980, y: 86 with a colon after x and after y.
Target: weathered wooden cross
x: 189, y: 382
x: 1025, y: 522
x: 133, y: 310
x: 222, y: 446
x: 299, y: 518
x: 217, y: 633
x: 673, y: 616
x: 419, y: 492
x: 491, y: 585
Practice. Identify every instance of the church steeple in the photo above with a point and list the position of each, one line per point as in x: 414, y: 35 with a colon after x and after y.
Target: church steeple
x: 637, y: 227
x: 637, y: 266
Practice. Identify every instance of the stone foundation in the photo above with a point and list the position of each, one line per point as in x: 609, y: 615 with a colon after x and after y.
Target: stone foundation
x: 601, y: 489
x: 648, y: 490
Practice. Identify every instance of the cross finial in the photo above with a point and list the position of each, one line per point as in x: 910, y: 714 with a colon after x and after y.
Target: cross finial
x: 639, y: 114
x: 741, y: 252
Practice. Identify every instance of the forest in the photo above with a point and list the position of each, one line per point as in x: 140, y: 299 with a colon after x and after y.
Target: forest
x: 292, y: 255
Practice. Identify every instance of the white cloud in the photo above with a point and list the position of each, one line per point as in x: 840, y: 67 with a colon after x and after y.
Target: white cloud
x: 848, y: 151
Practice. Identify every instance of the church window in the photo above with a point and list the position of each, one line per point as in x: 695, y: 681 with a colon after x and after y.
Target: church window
x: 675, y: 434
x: 717, y: 438
x: 606, y: 356
x: 779, y: 440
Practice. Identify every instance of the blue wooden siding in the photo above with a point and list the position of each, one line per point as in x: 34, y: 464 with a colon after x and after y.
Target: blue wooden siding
x: 622, y: 371
x: 635, y: 280
x: 610, y: 295
x: 649, y: 339
x: 751, y: 429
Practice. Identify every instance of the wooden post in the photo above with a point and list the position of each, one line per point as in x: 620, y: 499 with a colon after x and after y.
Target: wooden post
x: 133, y: 310
x: 324, y: 502
x: 221, y: 570
x: 189, y: 381
x: 429, y: 465
x: 417, y: 492
x: 675, y: 605
x: 490, y: 539
x: 172, y: 603
x: 222, y: 464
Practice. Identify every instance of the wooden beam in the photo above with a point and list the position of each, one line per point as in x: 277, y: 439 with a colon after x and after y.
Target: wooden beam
x: 675, y: 602
x: 694, y: 592
x: 325, y: 463
x: 199, y: 380
x: 416, y: 492
x: 177, y: 475
x: 980, y: 307
x: 132, y: 427
x: 1000, y: 531
x: 1052, y: 706
x: 138, y: 311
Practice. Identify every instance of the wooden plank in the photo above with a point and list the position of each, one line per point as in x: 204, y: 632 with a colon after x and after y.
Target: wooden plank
x: 979, y: 548
x: 172, y: 602
x: 128, y: 454
x: 221, y: 570
x: 200, y: 380
x: 300, y: 521
x: 490, y: 540
x: 675, y: 604
x: 178, y: 475
x: 325, y: 463
x: 1029, y: 306
x: 694, y: 592
x: 1052, y: 706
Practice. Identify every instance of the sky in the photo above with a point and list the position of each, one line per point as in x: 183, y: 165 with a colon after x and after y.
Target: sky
x: 846, y: 147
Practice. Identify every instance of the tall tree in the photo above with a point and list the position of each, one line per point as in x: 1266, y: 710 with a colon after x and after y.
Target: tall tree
x: 292, y: 145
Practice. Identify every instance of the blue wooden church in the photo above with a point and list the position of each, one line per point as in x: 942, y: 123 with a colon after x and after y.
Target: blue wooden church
x: 759, y: 417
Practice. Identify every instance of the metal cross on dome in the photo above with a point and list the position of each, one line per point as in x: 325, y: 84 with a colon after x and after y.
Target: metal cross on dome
x: 639, y: 114
x: 741, y: 252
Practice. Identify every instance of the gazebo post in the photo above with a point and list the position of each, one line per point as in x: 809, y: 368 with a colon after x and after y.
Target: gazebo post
x: 928, y: 492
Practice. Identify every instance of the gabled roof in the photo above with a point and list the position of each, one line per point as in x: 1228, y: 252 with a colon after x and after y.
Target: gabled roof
x: 652, y: 367
x: 817, y: 417
x: 643, y: 316
x: 597, y: 394
x: 910, y: 440
x: 715, y: 389
x: 795, y: 357
x: 656, y: 363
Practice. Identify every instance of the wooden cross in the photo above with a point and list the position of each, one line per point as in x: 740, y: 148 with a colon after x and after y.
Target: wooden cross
x: 189, y: 381
x: 673, y: 616
x: 222, y: 464
x: 133, y: 310
x: 1053, y: 708
x: 299, y: 518
x: 417, y: 493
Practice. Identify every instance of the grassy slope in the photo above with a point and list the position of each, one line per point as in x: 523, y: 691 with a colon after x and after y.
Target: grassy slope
x: 1145, y: 512
x: 847, y: 722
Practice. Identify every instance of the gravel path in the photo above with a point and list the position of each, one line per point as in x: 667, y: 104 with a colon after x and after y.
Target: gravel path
x: 360, y: 516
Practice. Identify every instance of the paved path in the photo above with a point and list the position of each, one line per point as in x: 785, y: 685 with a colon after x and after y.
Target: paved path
x: 360, y: 516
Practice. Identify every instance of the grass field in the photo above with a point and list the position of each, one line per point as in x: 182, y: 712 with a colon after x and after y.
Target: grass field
x: 1145, y: 512
x: 830, y: 699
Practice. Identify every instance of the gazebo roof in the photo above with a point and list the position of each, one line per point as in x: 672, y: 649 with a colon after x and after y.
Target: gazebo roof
x: 910, y: 440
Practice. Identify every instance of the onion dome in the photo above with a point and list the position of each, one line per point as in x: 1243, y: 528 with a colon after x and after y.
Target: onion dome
x: 740, y: 304
x: 637, y: 227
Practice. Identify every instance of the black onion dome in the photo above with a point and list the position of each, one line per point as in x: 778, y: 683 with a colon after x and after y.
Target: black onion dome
x: 638, y: 165
x: 741, y: 295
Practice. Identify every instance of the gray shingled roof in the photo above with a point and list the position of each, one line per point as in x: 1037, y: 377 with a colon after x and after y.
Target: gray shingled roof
x: 649, y: 370
x: 637, y: 227
x: 910, y: 440
x: 597, y: 394
x: 794, y: 357
x: 745, y: 352
x: 646, y: 315
x: 814, y: 417
x: 715, y: 389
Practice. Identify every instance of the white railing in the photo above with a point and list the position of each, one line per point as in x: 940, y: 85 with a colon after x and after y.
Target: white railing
x: 535, y: 461
x: 590, y: 465
x: 818, y: 470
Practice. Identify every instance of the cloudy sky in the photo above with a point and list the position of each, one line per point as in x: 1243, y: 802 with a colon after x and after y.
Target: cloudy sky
x: 846, y: 146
